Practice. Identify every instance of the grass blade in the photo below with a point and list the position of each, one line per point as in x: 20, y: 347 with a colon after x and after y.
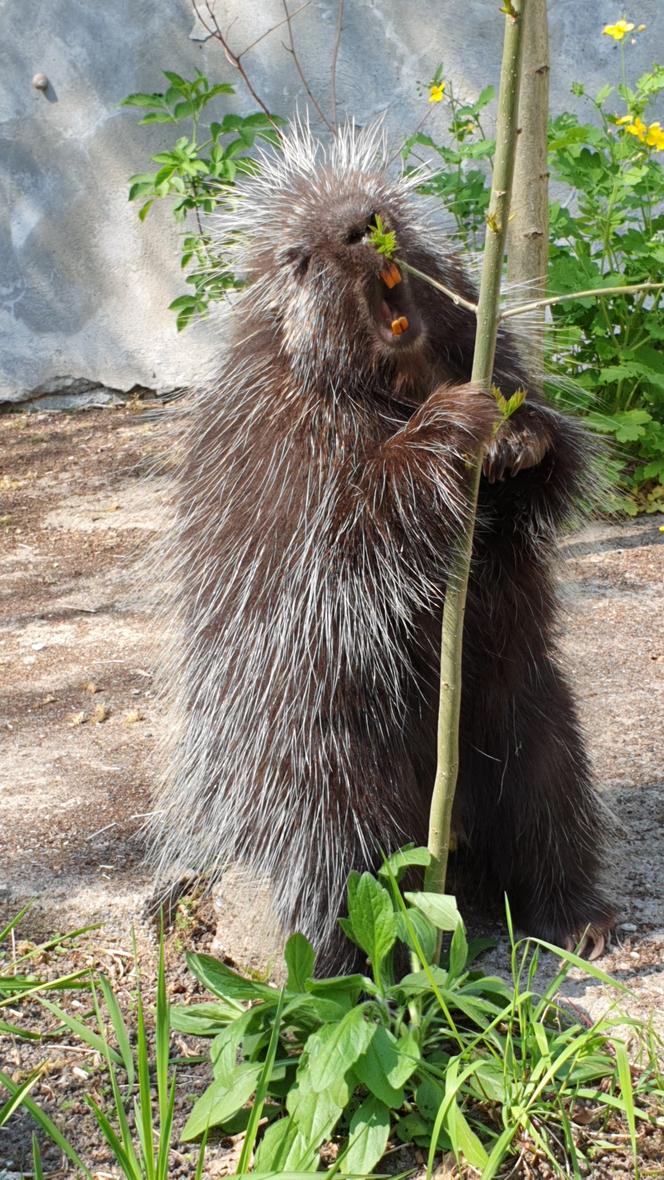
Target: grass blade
x: 48, y: 1126
x: 13, y: 923
x: 94, y: 1040
x: 261, y: 1090
x: 37, y: 1169
x: 162, y: 1037
x: 21, y: 1090
x: 119, y: 1027
x: 625, y: 1079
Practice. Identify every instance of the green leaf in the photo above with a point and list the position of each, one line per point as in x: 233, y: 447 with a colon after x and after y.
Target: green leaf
x: 602, y: 94
x: 143, y: 100
x: 412, y: 1128
x: 140, y: 188
x: 371, y: 919
x: 394, y: 866
x: 221, y: 980
x: 383, y: 1069
x: 314, y: 1113
x: 439, y: 908
x: 419, y: 982
x: 280, y: 1141
x: 144, y: 210
x: 336, y: 1047
x: 221, y: 1100
x: 464, y: 1140
x: 156, y: 118
x: 413, y: 929
x: 202, y: 1020
x: 458, y: 956
x: 175, y: 79
x: 368, y: 1134
x: 342, y: 989
x: 488, y: 1082
x: 300, y: 959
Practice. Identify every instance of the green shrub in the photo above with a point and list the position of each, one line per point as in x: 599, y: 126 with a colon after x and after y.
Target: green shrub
x: 196, y: 175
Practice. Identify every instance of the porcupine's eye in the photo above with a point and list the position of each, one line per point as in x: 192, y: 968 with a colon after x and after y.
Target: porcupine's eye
x: 357, y: 233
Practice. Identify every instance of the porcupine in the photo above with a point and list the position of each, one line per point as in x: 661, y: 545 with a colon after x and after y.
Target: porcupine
x: 323, y: 486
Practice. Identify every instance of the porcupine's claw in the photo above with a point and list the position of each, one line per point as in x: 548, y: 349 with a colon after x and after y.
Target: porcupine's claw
x: 514, y: 448
x: 593, y: 943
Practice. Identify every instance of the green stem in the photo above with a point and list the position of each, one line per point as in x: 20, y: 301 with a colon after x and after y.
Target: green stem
x: 598, y: 292
x: 485, y: 346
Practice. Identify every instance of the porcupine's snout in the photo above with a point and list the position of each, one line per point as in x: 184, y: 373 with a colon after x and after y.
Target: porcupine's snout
x: 392, y: 312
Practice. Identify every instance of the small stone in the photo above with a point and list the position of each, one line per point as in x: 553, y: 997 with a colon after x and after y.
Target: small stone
x: 40, y: 82
x: 628, y: 927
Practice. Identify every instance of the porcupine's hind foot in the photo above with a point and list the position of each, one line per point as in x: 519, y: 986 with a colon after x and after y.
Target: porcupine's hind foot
x: 579, y: 920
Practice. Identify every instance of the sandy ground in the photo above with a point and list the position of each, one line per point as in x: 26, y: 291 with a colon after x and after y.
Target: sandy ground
x: 79, y: 720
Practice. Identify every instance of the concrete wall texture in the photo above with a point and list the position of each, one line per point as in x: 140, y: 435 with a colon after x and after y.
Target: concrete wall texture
x: 84, y: 286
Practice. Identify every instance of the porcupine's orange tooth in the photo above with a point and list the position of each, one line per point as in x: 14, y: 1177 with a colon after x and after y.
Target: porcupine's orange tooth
x: 396, y: 326
x: 396, y: 274
x: 403, y: 322
x: 386, y: 276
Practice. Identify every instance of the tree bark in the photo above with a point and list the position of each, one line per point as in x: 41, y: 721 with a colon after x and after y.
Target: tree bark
x: 528, y: 247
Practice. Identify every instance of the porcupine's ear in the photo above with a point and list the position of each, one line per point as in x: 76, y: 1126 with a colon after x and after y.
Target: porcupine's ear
x: 295, y: 259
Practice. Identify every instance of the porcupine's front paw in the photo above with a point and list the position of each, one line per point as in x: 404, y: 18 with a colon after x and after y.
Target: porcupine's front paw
x: 520, y: 442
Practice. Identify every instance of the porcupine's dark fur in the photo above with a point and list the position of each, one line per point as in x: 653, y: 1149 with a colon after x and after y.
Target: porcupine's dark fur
x: 323, y: 485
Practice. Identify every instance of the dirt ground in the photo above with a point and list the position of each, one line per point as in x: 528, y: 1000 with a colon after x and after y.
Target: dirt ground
x: 79, y: 720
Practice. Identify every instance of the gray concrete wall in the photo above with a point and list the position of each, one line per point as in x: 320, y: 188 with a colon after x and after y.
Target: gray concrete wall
x: 84, y: 286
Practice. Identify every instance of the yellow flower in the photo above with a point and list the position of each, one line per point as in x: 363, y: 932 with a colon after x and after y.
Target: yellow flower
x: 655, y: 137
x: 436, y: 92
x: 624, y: 119
x: 618, y: 30
x: 637, y: 128
x: 640, y: 28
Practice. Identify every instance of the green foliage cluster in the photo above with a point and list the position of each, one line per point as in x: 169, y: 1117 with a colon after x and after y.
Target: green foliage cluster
x: 462, y: 183
x: 329, y: 1075
x: 443, y: 1056
x: 607, y: 229
x: 196, y: 175
x: 613, y: 234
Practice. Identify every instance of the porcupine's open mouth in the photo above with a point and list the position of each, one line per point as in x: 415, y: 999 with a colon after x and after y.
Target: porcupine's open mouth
x: 396, y: 319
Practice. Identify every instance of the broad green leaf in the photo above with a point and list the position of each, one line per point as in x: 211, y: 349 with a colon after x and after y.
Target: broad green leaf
x: 413, y: 929
x: 275, y: 1146
x: 300, y: 958
x: 343, y: 989
x: 158, y: 117
x: 441, y: 909
x: 221, y: 980
x: 336, y: 1047
x: 316, y: 1114
x: 428, y: 1098
x: 458, y: 957
x: 381, y: 1068
x: 225, y: 1047
x: 464, y: 1140
x: 368, y: 1135
x: 394, y: 866
x: 420, y: 981
x: 221, y: 1101
x: 412, y: 1128
x: 143, y: 100
x: 371, y: 917
x: 202, y: 1020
